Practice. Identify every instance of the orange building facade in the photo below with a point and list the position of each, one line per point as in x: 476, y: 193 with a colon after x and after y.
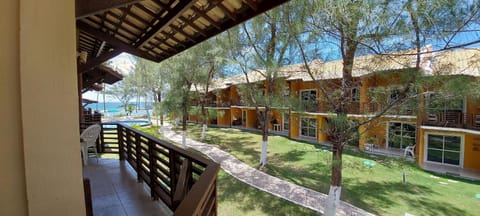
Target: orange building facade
x: 446, y: 138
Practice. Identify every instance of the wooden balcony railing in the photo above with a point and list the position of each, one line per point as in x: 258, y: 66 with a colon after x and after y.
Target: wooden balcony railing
x: 454, y: 119
x: 184, y: 181
x: 366, y: 108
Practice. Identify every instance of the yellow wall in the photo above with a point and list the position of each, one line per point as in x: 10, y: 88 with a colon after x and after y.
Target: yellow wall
x: 251, y: 118
x: 40, y: 156
x: 374, y: 133
x: 223, y: 117
x: 321, y: 135
x: 13, y: 198
x: 294, y: 125
x: 472, y: 152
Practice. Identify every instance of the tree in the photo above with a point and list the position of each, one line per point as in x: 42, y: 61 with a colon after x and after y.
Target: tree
x: 122, y: 91
x: 211, y: 58
x: 150, y: 79
x: 375, y: 27
x: 260, y: 48
x: 182, y: 70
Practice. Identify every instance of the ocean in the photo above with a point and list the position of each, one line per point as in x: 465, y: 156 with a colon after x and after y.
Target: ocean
x: 111, y: 109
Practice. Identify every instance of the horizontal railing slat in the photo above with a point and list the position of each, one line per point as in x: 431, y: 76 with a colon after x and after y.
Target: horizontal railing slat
x: 158, y: 164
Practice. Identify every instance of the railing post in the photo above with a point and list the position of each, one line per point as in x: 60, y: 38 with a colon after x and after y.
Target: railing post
x: 152, y: 162
x: 129, y: 144
x: 102, y: 140
x: 121, y: 150
x: 138, y: 154
x: 173, y: 173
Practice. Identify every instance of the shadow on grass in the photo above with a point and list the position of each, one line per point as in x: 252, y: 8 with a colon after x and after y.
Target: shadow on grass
x: 245, y: 200
x: 375, y: 196
x: 291, y: 156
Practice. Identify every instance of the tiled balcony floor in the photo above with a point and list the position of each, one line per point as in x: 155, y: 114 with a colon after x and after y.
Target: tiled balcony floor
x: 116, y: 192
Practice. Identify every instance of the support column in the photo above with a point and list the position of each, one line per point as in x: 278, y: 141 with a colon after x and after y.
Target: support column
x: 49, y: 108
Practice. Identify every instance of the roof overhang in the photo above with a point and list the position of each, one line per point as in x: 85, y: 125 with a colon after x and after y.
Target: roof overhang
x: 92, y: 79
x: 155, y: 29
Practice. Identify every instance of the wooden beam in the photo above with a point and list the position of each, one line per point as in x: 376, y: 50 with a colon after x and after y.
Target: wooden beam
x: 84, y: 8
x: 205, y: 16
x: 193, y: 25
x: 118, y: 44
x: 261, y: 7
x: 251, y: 4
x: 228, y: 12
x: 189, y: 37
x: 172, y: 14
x: 100, y: 49
x: 91, y: 63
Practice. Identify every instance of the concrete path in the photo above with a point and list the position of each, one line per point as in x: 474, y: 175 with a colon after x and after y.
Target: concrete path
x: 294, y: 193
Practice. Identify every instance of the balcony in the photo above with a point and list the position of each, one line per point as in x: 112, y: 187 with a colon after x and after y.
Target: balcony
x: 183, y: 181
x: 366, y: 108
x: 453, y: 119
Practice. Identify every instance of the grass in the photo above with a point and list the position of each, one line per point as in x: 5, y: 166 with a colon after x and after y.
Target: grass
x: 378, y: 189
x: 238, y: 198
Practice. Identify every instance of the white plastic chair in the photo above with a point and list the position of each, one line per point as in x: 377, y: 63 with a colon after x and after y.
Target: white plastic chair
x: 409, y: 150
x: 88, y: 139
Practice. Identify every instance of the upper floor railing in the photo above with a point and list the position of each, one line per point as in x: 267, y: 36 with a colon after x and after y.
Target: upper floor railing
x: 454, y: 119
x: 184, y: 181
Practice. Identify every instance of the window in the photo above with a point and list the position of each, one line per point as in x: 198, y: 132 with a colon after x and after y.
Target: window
x: 244, y: 116
x: 286, y: 121
x: 308, y: 99
x: 401, y: 135
x: 308, y: 127
x: 394, y: 95
x: 355, y: 95
x: 444, y: 149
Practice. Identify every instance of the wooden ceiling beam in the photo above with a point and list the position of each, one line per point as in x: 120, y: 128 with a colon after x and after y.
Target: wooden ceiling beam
x: 228, y: 12
x: 164, y: 42
x: 100, y: 49
x: 205, y: 16
x: 193, y: 25
x: 105, y: 20
x: 110, y: 39
x: 84, y: 8
x: 126, y: 22
x: 172, y: 14
x: 261, y: 8
x: 251, y: 4
x: 189, y: 37
x: 92, y: 63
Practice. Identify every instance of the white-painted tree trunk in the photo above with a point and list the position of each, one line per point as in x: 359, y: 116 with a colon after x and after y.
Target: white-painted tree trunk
x: 176, y: 122
x: 333, y: 200
x: 184, y: 139
x: 263, y: 155
x: 204, y: 131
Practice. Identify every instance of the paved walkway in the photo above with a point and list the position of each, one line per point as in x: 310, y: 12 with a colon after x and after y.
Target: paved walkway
x: 297, y: 194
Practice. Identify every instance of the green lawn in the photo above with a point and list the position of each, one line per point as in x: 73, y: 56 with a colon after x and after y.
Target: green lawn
x: 238, y: 198
x: 377, y: 189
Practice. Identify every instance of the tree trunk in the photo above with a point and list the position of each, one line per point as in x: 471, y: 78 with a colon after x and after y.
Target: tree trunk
x: 184, y: 131
x: 333, y: 199
x: 159, y: 97
x: 204, y: 122
x: 264, y: 124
